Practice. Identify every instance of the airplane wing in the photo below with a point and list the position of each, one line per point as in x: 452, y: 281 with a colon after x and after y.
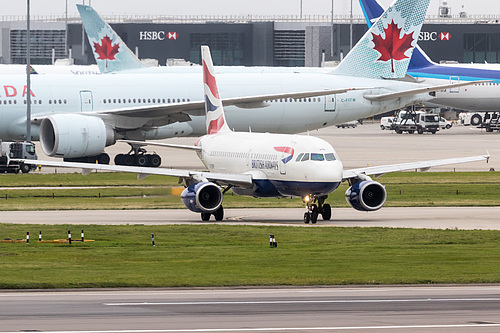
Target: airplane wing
x: 420, y: 166
x: 424, y: 89
x: 243, y: 180
x: 159, y: 144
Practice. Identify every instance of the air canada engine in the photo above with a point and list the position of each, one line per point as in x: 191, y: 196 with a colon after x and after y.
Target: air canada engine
x: 74, y: 135
x: 366, y: 196
x: 202, y: 197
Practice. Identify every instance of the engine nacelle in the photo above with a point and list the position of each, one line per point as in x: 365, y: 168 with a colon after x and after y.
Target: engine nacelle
x: 202, y: 197
x: 366, y: 196
x: 74, y: 135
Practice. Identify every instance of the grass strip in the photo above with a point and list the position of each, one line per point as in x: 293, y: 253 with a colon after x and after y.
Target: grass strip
x: 218, y: 255
x: 124, y: 191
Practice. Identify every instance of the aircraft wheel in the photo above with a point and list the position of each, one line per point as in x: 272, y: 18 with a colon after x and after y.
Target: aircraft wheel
x: 307, y: 217
x: 25, y: 168
x: 103, y: 158
x: 142, y: 160
x: 219, y: 214
x: 154, y: 160
x: 119, y: 159
x: 205, y: 216
x: 327, y: 212
x: 128, y: 160
x: 476, y: 120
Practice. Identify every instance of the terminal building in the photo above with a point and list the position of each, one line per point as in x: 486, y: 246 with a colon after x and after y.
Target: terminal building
x: 245, y: 41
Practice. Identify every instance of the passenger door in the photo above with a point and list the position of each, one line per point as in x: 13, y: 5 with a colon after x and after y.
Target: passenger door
x: 87, y: 103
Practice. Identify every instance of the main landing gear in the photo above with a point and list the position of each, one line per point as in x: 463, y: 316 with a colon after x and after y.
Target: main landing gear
x: 315, y: 207
x: 138, y: 157
x: 218, y: 215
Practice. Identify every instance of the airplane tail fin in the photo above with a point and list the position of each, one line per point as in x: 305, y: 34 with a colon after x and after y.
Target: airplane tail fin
x: 215, y: 118
x: 372, y: 11
x: 386, y: 48
x: 110, y: 52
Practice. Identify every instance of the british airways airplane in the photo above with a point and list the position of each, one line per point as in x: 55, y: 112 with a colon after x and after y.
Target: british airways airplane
x: 265, y: 165
x: 482, y: 96
x: 78, y: 116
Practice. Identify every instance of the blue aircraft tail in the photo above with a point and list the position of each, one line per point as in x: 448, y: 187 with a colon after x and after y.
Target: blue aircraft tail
x: 372, y: 12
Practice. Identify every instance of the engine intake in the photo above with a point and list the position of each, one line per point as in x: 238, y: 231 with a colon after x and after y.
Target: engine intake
x: 202, y: 197
x: 74, y: 135
x: 366, y: 196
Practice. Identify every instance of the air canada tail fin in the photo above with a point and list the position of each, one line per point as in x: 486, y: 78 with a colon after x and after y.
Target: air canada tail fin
x: 372, y: 11
x: 214, y: 111
x: 386, y: 48
x: 110, y: 52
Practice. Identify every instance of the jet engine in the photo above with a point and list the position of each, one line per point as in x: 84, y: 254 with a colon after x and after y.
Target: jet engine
x: 74, y: 135
x: 203, y: 197
x: 366, y: 196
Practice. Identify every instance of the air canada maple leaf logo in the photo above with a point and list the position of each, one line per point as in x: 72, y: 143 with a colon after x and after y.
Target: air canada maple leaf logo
x: 393, y: 47
x: 106, y: 50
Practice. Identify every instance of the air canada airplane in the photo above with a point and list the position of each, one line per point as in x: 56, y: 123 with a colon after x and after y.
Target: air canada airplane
x: 78, y: 116
x: 265, y: 165
x: 481, y: 96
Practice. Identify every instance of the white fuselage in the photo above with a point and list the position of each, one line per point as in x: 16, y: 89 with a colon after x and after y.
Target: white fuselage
x: 277, y: 162
x: 53, y: 94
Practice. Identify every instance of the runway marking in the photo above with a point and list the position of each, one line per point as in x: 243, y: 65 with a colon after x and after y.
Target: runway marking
x: 284, y: 329
x: 306, y: 302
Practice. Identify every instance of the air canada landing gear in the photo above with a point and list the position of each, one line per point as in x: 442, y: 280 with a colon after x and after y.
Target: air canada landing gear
x: 315, y: 207
x: 218, y: 214
x: 138, y: 157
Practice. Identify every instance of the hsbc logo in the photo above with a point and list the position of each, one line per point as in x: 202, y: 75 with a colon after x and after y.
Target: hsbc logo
x: 445, y: 36
x: 426, y: 36
x: 157, y: 35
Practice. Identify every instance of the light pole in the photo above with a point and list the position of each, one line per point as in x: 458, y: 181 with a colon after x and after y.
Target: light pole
x: 350, y: 30
x: 28, y: 74
x: 331, y: 41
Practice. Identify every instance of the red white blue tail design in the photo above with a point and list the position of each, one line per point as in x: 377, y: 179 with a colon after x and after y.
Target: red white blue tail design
x: 214, y: 111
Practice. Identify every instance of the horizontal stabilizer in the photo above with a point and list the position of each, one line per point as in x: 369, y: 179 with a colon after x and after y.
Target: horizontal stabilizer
x: 423, y: 90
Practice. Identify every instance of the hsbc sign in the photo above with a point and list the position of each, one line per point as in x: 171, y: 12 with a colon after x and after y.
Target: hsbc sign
x: 427, y: 36
x: 157, y: 35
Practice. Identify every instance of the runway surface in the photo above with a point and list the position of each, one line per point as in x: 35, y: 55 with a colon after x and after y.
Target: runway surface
x: 363, y: 309
x: 401, y: 217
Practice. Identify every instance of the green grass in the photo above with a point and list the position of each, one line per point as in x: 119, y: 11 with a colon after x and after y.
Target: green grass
x: 217, y: 255
x: 124, y: 191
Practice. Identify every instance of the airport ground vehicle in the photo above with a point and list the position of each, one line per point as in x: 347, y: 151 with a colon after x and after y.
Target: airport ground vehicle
x: 16, y: 150
x: 445, y: 124
x: 416, y: 121
x: 387, y: 122
x: 348, y: 124
x: 487, y: 120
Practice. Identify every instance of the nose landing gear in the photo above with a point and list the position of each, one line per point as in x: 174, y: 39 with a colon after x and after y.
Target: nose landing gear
x: 315, y: 207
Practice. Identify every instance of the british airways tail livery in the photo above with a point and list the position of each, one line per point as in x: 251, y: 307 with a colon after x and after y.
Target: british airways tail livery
x: 214, y: 111
x: 386, y: 48
x: 267, y: 165
x: 106, y: 44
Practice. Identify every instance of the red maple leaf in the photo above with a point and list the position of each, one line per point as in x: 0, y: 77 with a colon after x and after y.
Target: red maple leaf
x: 106, y: 50
x: 392, y: 47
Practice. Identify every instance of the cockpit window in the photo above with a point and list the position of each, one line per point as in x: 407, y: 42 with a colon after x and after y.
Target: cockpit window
x: 330, y: 157
x: 306, y: 157
x: 299, y: 157
x: 317, y: 157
